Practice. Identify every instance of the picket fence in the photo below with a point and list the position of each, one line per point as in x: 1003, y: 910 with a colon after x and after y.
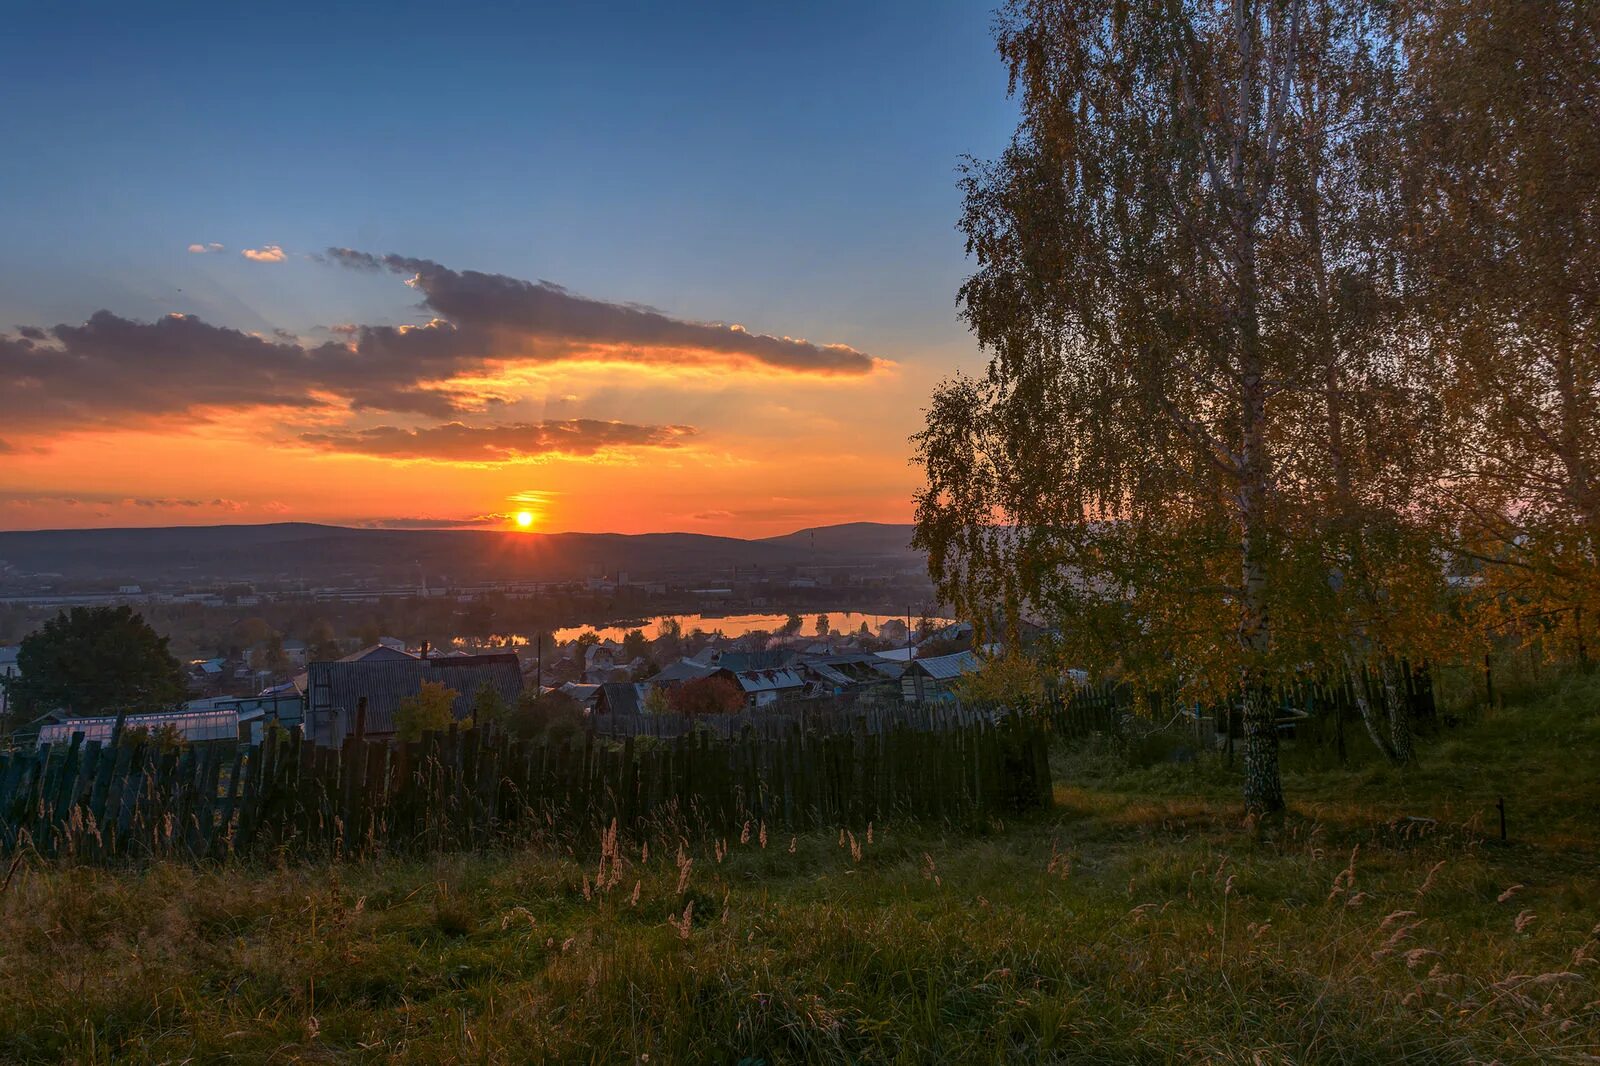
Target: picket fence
x: 469, y: 789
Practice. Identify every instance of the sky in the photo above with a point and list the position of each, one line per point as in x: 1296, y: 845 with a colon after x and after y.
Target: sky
x: 623, y: 267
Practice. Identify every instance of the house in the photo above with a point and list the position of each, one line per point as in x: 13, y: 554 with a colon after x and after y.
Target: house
x: 926, y: 680
x: 834, y: 674
x: 764, y: 687
x: 334, y: 689
x: 675, y: 674
x: 584, y: 694
x: 619, y: 697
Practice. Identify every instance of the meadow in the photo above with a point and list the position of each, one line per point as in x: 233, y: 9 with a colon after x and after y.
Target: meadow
x: 1139, y: 920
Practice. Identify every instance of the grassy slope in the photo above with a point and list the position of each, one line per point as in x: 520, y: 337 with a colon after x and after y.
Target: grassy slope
x: 1136, y: 922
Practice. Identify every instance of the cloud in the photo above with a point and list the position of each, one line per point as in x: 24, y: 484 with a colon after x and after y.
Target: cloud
x: 210, y: 246
x: 111, y: 372
x: 168, y: 503
x: 431, y: 523
x: 454, y: 442
x: 495, y: 317
x: 269, y: 253
x: 101, y: 499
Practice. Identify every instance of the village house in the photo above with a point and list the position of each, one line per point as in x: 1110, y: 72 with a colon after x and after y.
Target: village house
x: 334, y: 690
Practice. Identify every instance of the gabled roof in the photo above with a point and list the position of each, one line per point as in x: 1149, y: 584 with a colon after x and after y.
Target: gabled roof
x: 584, y: 694
x: 766, y: 680
x: 682, y: 670
x: 947, y: 667
x: 337, y: 687
x: 618, y: 697
x: 830, y: 674
x: 377, y: 653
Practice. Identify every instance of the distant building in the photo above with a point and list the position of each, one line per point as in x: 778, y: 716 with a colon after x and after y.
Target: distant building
x: 8, y: 670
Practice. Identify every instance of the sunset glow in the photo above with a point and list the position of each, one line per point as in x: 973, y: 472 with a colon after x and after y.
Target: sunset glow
x: 737, y: 346
x: 525, y: 519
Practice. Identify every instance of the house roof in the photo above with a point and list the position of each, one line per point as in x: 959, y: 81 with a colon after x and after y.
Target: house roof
x: 338, y: 686
x: 766, y: 680
x: 947, y: 667
x: 377, y: 653
x: 580, y: 692
x: 771, y: 659
x: 830, y: 674
x: 618, y: 697
x: 682, y: 670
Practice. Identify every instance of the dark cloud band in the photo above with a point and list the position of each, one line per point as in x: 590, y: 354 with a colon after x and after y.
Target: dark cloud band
x: 504, y: 443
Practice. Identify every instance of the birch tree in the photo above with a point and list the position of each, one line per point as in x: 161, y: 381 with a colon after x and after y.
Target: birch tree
x: 1134, y: 460
x: 1505, y: 204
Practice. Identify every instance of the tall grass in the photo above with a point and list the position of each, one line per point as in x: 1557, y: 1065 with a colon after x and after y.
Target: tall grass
x: 1136, y: 922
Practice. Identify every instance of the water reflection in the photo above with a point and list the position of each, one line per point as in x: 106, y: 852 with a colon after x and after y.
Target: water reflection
x: 737, y: 625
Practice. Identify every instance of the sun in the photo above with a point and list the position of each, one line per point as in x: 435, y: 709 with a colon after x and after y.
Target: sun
x: 524, y: 519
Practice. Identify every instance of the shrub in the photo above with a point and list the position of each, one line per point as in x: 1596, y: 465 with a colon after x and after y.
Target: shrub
x: 706, y: 695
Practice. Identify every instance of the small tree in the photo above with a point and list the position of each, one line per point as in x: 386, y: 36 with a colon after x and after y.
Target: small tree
x: 552, y: 715
x: 489, y: 707
x: 791, y: 625
x: 824, y: 626
x: 323, y: 646
x: 431, y: 710
x: 706, y: 695
x: 635, y: 645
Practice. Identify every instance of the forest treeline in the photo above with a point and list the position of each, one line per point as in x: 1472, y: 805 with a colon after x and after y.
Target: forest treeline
x: 1290, y: 309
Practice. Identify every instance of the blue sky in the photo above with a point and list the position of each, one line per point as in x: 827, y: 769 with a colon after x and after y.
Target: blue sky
x: 787, y: 167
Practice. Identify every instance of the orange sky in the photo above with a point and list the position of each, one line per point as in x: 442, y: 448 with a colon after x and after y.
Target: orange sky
x: 728, y: 445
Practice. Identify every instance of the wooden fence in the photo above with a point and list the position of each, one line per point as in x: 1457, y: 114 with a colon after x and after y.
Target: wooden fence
x: 809, y: 716
x: 469, y: 789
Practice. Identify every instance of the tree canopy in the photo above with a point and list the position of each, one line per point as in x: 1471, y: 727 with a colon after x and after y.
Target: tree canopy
x: 94, y: 660
x: 1288, y: 308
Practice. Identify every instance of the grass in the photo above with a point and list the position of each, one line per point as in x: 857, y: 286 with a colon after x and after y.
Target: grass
x: 1138, y: 921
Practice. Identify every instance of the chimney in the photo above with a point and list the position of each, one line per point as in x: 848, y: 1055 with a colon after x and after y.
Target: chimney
x: 424, y: 649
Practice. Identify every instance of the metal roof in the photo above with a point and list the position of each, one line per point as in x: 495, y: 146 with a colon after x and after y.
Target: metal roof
x: 682, y: 670
x: 771, y: 659
x: 618, y: 697
x: 193, y: 726
x: 768, y: 680
x: 947, y: 667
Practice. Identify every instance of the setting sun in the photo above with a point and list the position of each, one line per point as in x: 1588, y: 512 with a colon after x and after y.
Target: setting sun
x: 524, y: 519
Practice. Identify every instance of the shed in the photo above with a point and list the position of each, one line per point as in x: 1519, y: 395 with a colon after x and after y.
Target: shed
x: 930, y: 679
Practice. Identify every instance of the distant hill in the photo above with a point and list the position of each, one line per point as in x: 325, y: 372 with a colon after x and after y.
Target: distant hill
x: 319, y: 555
x: 852, y: 538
